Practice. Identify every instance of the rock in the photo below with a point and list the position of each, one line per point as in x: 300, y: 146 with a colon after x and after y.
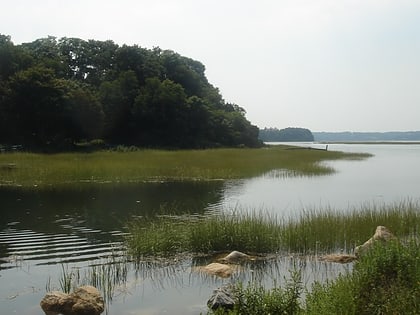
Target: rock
x: 234, y: 257
x: 221, y: 298
x: 381, y: 234
x: 339, y: 258
x: 218, y: 269
x: 85, y: 300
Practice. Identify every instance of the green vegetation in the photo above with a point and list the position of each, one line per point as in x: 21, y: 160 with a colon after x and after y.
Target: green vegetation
x: 106, y: 277
x: 29, y: 169
x: 254, y: 299
x: 315, y: 232
x: 385, y: 281
x: 284, y: 135
x: 55, y: 93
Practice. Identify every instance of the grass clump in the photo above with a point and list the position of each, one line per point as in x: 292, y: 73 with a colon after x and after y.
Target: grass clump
x: 317, y: 232
x: 249, y: 232
x: 157, y: 236
x: 384, y: 281
x: 328, y: 230
x: 166, y: 235
x: 254, y: 299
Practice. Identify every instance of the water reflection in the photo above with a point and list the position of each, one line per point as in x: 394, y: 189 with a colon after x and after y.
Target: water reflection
x: 103, y: 207
x: 391, y: 175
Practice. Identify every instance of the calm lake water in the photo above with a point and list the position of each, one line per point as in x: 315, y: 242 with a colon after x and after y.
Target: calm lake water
x: 44, y: 232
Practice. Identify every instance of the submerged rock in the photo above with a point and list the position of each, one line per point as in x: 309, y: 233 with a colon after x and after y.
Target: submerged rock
x: 218, y: 269
x: 381, y: 234
x: 221, y: 298
x: 85, y: 300
x: 339, y: 258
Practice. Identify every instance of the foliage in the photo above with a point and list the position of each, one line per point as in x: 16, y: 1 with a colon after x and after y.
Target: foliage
x: 385, y: 281
x: 285, y: 135
x: 57, y: 92
x: 254, y: 299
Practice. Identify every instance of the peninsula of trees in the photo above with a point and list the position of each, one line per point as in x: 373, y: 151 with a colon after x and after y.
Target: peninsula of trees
x: 58, y: 92
x: 285, y: 135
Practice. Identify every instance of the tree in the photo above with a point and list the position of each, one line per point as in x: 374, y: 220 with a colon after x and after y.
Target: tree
x: 48, y: 112
x: 55, y: 92
x: 118, y: 97
x: 159, y: 113
x: 287, y: 134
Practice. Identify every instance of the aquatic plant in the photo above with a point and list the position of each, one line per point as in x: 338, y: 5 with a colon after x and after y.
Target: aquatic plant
x: 255, y: 299
x: 315, y: 232
x: 326, y: 230
x: 384, y: 281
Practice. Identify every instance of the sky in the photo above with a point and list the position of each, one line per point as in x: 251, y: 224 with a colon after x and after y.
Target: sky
x: 325, y: 65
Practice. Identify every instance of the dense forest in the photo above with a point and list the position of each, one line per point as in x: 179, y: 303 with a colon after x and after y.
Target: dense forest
x: 285, y: 135
x: 55, y: 93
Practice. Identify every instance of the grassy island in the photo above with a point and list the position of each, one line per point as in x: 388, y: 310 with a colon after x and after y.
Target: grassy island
x: 31, y: 169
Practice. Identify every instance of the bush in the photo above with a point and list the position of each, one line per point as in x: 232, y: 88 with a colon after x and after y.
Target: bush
x: 385, y: 281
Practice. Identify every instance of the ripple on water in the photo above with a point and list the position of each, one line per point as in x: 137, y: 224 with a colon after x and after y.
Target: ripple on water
x: 18, y: 246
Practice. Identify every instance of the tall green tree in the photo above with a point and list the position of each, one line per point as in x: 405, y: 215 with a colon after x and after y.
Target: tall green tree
x: 117, y: 98
x: 159, y: 113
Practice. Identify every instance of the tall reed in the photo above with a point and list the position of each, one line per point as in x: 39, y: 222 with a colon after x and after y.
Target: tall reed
x: 321, y: 231
x: 329, y: 230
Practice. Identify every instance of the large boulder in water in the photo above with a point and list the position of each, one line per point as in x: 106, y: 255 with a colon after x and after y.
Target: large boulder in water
x: 217, y: 269
x: 85, y: 300
x: 381, y: 234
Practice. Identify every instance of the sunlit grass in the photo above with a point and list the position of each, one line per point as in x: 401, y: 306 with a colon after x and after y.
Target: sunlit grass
x: 30, y: 169
x: 384, y: 281
x: 316, y: 232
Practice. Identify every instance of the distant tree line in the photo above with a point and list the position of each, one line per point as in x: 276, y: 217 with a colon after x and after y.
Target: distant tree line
x: 368, y: 136
x: 285, y: 135
x: 58, y: 92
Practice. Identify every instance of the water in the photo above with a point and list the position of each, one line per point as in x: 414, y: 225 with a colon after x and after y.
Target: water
x: 42, y: 232
x: 391, y: 175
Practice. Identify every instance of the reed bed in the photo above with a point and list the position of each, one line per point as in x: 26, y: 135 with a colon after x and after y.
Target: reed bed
x: 315, y: 232
x: 329, y: 230
x: 30, y: 169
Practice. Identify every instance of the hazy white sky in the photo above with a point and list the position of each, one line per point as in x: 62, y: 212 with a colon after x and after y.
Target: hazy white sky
x: 326, y: 65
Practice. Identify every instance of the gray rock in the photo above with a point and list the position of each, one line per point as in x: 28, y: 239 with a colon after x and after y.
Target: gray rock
x: 221, y: 298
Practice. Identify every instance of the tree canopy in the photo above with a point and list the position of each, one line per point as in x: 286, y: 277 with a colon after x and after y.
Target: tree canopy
x: 286, y: 135
x: 58, y: 92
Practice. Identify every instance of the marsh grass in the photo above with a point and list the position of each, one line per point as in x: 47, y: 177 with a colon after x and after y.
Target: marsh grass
x: 329, y: 230
x: 384, y: 281
x: 250, y: 232
x: 105, y: 276
x: 255, y: 299
x: 315, y: 232
x: 30, y: 169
